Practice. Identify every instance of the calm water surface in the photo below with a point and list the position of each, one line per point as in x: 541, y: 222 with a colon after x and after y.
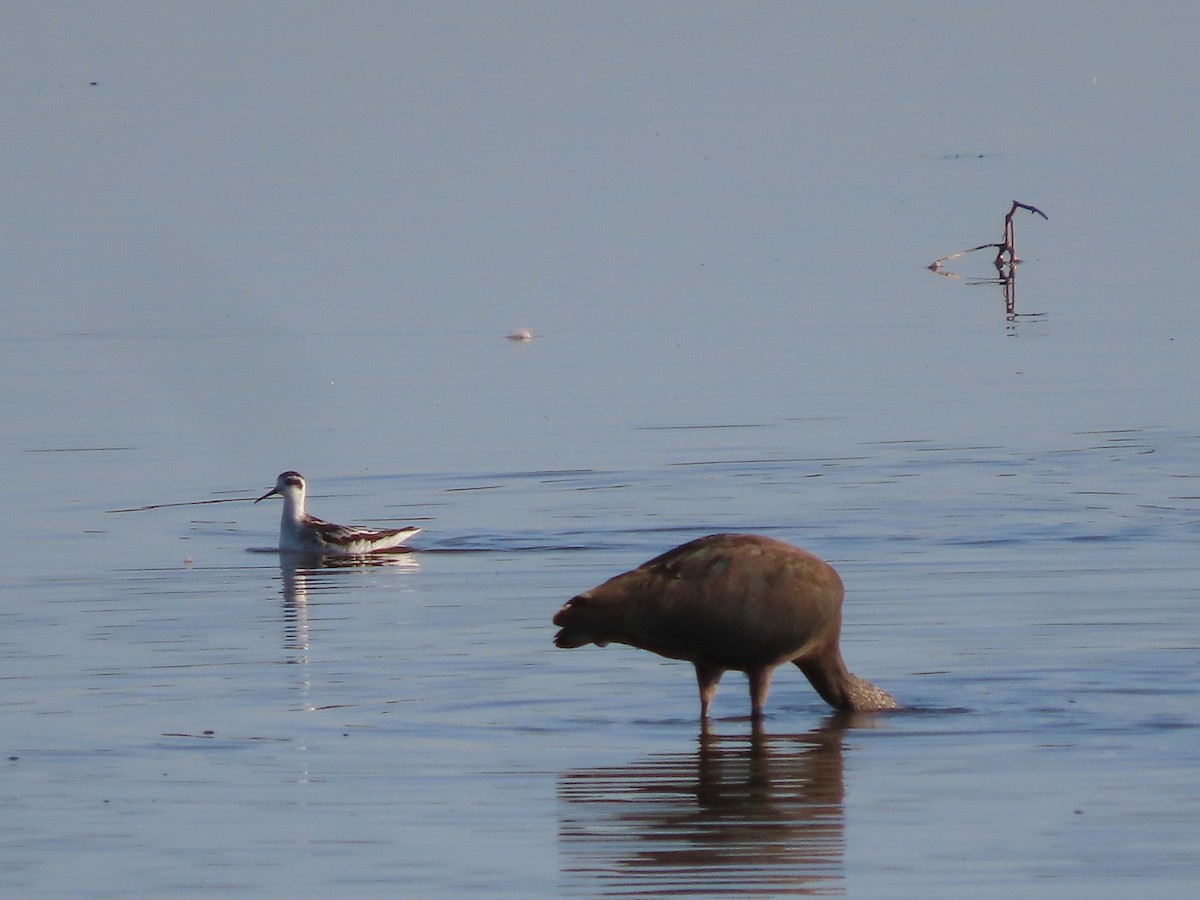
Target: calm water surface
x: 717, y: 224
x: 245, y: 723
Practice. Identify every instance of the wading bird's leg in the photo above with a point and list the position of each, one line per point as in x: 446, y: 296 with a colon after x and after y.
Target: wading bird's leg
x: 760, y: 686
x: 707, y: 677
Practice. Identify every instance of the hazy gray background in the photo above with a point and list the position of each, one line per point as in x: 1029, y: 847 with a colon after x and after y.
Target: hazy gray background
x: 306, y: 193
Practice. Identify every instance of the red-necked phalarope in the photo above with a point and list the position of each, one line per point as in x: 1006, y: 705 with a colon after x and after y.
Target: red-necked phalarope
x: 300, y: 532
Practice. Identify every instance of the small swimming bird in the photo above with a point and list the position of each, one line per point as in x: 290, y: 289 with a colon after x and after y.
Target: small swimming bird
x: 729, y: 601
x: 300, y: 532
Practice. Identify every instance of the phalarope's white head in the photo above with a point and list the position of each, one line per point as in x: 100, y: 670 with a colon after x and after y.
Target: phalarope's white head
x: 300, y: 532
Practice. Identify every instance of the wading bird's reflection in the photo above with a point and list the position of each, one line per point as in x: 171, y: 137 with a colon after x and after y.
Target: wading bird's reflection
x: 758, y: 814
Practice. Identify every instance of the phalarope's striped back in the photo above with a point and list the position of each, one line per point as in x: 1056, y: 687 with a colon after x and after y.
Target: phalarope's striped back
x: 300, y: 532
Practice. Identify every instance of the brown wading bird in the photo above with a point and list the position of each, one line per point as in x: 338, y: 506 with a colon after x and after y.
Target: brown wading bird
x: 729, y: 601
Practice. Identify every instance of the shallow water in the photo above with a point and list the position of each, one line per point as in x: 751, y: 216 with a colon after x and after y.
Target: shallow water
x: 263, y: 726
x: 735, y: 332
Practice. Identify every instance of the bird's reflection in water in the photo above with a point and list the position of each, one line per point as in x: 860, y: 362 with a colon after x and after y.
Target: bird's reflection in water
x: 303, y: 573
x: 757, y: 814
x: 295, y: 609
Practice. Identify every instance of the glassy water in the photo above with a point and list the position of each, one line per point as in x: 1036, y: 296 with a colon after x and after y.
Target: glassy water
x: 717, y: 227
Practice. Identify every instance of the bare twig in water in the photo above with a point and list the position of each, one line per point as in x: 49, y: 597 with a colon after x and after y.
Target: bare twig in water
x: 936, y: 265
x: 1006, y: 250
x: 1006, y: 260
x: 1010, y: 236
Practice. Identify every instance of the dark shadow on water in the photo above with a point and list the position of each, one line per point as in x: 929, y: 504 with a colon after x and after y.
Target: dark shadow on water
x: 753, y: 814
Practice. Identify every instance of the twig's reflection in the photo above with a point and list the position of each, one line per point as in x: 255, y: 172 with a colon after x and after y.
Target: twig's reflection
x: 740, y: 815
x: 1007, y: 276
